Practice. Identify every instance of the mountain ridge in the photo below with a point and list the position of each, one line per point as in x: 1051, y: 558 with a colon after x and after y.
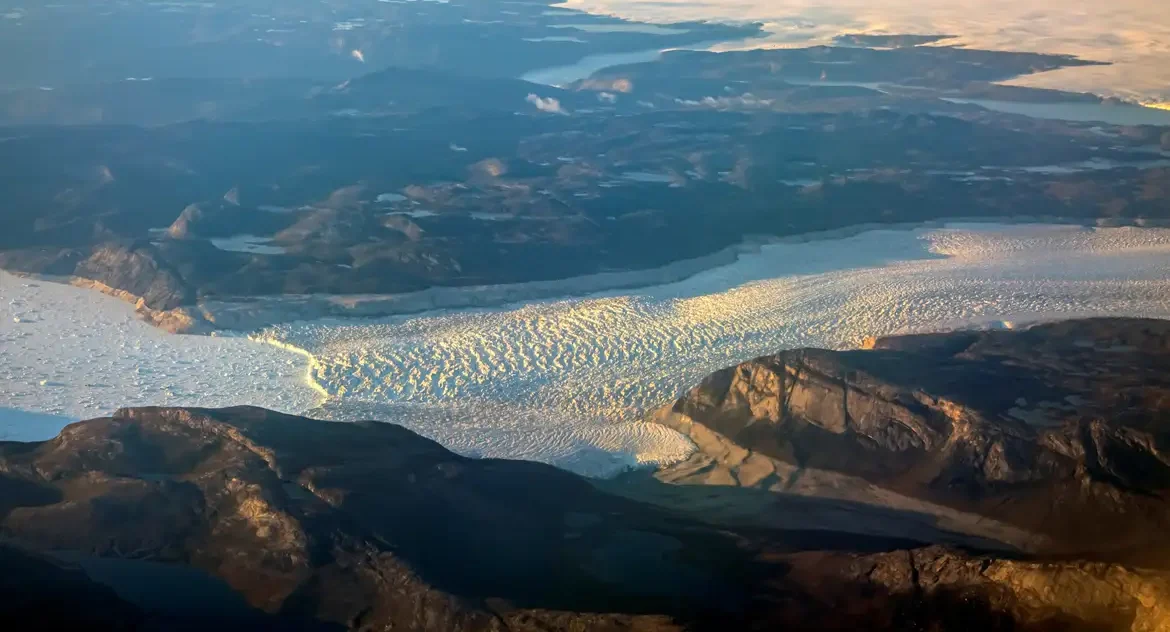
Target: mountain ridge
x: 1052, y: 431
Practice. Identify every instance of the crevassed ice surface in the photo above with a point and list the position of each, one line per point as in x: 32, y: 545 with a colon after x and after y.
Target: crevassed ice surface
x: 67, y: 354
x: 562, y: 380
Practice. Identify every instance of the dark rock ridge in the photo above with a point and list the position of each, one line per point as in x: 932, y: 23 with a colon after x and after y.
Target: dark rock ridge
x: 367, y: 526
x: 46, y: 592
x: 1056, y: 435
x: 38, y: 589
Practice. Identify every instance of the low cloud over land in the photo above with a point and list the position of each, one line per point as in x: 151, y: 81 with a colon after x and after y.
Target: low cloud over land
x: 546, y: 104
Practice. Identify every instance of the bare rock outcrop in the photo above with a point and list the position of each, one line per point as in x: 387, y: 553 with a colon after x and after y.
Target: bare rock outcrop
x: 186, y: 224
x: 1050, y: 438
x: 933, y: 588
x: 136, y: 270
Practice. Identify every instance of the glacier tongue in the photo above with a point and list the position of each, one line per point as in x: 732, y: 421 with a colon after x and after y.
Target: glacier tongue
x: 566, y: 381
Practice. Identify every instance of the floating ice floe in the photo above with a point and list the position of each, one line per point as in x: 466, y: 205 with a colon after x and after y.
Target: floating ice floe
x: 87, y: 354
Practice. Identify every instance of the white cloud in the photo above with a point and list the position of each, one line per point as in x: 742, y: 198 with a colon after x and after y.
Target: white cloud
x: 744, y: 101
x: 358, y: 55
x: 546, y: 104
x: 607, y: 97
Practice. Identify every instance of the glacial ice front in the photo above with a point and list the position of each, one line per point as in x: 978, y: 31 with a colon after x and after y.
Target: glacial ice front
x: 565, y: 381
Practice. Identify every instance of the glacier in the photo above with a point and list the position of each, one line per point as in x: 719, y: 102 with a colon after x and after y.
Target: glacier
x: 566, y: 381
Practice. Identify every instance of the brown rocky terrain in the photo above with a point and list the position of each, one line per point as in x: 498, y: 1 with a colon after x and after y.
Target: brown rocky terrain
x: 367, y: 526
x: 1052, y: 439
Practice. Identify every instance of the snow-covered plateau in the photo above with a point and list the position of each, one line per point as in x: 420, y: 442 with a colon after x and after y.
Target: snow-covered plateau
x: 565, y: 381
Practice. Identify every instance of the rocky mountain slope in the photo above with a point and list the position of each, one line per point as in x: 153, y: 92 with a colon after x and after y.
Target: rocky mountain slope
x: 1052, y: 439
x: 367, y: 526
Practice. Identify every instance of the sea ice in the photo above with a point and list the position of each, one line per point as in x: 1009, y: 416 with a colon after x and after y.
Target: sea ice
x: 86, y: 354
